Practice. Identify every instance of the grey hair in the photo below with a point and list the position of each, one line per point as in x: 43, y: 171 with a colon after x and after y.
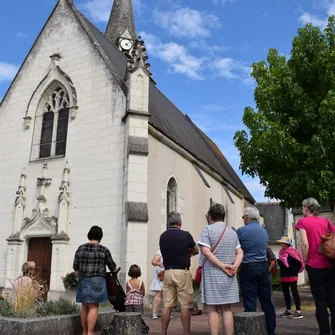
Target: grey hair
x: 252, y: 213
x: 174, y: 219
x: 312, y: 204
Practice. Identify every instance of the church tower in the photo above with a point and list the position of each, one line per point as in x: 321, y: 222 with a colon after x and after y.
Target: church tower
x: 121, y: 29
x: 121, y: 32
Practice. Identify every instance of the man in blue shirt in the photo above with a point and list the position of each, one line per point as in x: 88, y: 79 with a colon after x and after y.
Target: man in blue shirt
x: 254, y: 274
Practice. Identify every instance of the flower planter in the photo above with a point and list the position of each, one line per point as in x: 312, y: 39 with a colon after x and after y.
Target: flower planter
x: 50, y: 325
x: 70, y: 294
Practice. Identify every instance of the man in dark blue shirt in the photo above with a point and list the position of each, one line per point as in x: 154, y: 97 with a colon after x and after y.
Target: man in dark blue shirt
x: 177, y: 246
x: 254, y: 272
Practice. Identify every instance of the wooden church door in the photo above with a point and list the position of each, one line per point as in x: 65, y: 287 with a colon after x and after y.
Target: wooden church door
x: 39, y: 251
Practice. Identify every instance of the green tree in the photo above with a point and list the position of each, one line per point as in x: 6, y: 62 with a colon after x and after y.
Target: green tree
x: 290, y: 138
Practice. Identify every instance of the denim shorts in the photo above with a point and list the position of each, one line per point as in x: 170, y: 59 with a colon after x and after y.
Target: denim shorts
x: 92, y: 290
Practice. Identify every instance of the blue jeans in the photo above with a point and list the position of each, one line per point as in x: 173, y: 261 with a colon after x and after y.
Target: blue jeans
x: 255, y: 282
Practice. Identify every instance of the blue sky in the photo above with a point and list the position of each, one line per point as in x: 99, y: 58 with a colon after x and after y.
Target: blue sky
x: 200, y: 50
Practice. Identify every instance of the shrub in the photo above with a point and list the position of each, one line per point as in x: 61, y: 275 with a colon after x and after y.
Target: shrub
x: 61, y: 307
x: 25, y: 292
x: 5, y: 308
x: 70, y: 281
x: 276, y: 284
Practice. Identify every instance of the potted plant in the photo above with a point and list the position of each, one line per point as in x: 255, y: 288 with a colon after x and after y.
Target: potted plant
x: 70, y: 285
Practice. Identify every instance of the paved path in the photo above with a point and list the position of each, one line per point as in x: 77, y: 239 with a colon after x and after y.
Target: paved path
x: 199, y: 325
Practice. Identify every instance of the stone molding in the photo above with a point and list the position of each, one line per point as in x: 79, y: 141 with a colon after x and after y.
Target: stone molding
x: 138, y: 146
x: 60, y: 237
x: 131, y: 112
x: 139, y: 57
x: 137, y: 211
x: 55, y: 74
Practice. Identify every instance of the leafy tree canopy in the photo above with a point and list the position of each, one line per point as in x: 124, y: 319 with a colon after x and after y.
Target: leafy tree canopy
x: 290, y: 143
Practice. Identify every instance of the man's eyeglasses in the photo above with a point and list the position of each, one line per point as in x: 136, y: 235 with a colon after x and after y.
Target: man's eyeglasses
x: 243, y: 217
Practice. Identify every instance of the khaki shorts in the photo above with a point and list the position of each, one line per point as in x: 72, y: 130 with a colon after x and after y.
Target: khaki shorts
x: 177, y: 285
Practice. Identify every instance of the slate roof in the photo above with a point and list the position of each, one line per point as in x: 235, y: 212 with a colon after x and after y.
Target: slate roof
x: 274, y: 219
x: 168, y: 119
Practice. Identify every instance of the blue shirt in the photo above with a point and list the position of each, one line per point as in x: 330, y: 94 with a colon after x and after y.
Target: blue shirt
x: 254, y: 240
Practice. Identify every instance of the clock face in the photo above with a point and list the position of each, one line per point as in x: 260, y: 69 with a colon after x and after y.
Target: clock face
x: 126, y: 44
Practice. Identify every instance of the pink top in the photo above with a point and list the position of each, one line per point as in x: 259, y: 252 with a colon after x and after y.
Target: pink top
x: 134, y: 296
x: 316, y: 227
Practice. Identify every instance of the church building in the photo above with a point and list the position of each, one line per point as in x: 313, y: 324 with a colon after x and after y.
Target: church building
x: 87, y: 138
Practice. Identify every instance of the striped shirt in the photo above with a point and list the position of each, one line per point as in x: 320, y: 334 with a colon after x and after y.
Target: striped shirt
x: 91, y: 259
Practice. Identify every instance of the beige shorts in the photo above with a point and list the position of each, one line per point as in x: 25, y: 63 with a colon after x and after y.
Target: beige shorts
x: 177, y: 285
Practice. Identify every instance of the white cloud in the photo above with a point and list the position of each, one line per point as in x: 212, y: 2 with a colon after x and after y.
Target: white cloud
x: 231, y: 69
x: 317, y: 20
x: 180, y: 60
x: 99, y: 10
x: 175, y: 55
x: 223, y: 2
x: 7, y: 71
x: 201, y: 44
x: 186, y: 22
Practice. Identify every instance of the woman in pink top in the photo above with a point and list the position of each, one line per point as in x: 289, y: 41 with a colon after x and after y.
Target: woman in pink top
x: 321, y: 271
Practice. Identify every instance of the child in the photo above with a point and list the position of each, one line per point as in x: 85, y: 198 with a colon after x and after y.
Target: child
x: 290, y: 263
x: 25, y: 281
x: 135, y: 291
x: 156, y: 284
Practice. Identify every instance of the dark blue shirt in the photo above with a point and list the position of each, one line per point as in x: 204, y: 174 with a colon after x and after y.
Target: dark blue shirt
x: 254, y: 240
x: 175, y: 245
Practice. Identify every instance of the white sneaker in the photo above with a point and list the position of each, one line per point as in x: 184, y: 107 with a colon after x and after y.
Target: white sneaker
x: 154, y: 316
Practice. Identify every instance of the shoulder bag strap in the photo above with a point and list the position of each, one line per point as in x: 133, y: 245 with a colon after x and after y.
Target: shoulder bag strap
x: 330, y: 226
x: 216, y: 244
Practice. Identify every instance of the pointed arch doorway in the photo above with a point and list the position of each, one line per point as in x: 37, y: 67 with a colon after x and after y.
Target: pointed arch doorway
x: 39, y: 251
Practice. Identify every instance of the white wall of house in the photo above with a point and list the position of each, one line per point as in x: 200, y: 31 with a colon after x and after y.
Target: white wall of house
x: 193, y: 197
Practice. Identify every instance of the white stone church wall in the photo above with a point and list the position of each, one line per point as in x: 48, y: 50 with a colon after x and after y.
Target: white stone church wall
x: 193, y: 197
x: 95, y: 142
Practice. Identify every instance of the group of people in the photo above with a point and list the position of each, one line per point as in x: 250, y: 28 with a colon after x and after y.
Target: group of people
x: 224, y: 253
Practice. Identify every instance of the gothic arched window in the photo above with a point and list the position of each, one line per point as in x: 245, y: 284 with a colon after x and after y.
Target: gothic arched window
x: 171, y: 196
x: 51, y: 123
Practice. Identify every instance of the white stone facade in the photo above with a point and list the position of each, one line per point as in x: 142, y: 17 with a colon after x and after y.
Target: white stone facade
x: 95, y: 148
